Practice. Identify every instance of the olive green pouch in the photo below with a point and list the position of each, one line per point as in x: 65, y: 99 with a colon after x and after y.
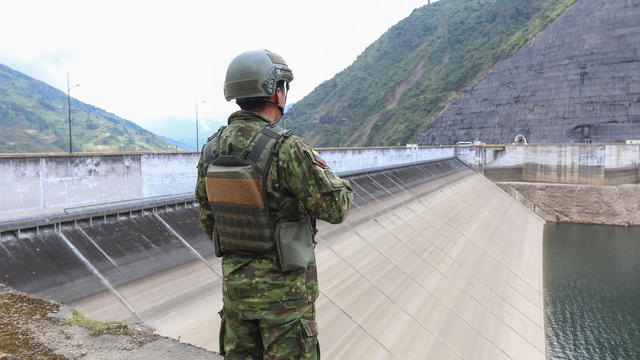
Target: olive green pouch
x: 295, y: 244
x: 216, y: 242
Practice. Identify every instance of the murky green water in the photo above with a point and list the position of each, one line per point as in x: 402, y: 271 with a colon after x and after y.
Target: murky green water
x: 592, y: 291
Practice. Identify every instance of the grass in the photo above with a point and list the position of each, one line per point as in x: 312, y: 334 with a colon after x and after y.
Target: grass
x: 97, y: 327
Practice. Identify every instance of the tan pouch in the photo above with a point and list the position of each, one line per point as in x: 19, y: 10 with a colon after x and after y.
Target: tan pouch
x: 295, y: 244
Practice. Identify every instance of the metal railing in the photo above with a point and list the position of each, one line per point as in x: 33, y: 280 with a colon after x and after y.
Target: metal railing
x: 95, y: 211
x: 116, y: 209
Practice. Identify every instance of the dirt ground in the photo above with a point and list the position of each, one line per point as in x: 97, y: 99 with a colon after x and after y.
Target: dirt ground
x: 33, y: 328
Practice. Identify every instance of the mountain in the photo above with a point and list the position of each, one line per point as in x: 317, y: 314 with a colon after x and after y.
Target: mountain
x: 578, y: 81
x: 186, y: 143
x: 288, y: 106
x: 178, y: 144
x: 34, y: 118
x: 402, y: 81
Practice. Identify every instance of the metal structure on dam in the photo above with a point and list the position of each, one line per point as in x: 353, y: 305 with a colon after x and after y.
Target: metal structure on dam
x: 433, y: 261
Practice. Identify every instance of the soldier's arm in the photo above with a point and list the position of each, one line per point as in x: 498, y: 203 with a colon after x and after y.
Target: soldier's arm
x: 206, y: 216
x: 323, y: 193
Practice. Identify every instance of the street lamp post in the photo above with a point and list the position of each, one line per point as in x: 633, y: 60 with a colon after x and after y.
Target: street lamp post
x: 69, y: 107
x: 197, y: 139
x: 197, y: 142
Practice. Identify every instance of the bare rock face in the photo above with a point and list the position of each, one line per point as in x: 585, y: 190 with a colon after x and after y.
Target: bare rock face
x: 578, y: 81
x: 588, y: 204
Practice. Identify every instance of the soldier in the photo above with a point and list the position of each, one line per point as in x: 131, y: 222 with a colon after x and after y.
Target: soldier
x: 260, y: 188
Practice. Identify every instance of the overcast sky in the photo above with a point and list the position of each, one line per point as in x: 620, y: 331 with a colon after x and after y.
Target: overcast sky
x: 149, y: 61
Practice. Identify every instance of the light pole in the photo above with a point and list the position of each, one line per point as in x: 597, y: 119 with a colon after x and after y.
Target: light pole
x: 69, y: 106
x: 197, y: 140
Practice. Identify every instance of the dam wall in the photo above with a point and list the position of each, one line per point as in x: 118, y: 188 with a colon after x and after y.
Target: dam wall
x: 47, y: 184
x: 433, y: 261
x: 43, y: 184
x: 588, y: 164
x: 354, y: 159
x: 37, y: 184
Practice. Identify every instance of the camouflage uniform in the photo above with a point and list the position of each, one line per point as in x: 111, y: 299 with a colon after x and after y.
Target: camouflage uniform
x: 268, y: 313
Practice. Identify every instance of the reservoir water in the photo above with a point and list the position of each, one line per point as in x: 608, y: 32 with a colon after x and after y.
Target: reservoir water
x: 592, y: 291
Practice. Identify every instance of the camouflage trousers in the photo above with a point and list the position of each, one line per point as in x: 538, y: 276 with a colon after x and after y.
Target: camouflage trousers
x: 270, y: 337
x: 268, y: 314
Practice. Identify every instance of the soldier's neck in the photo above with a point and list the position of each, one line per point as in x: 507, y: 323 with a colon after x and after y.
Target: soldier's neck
x: 272, y: 113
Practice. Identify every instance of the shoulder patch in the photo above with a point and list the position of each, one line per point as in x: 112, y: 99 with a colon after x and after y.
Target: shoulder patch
x: 335, y: 181
x: 318, y: 159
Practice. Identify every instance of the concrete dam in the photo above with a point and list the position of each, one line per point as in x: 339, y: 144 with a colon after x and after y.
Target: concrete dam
x: 433, y: 261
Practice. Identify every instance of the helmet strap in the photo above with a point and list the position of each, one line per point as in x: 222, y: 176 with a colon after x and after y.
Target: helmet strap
x: 279, y: 107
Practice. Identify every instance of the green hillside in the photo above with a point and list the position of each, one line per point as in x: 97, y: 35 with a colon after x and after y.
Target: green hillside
x: 402, y: 81
x: 33, y: 118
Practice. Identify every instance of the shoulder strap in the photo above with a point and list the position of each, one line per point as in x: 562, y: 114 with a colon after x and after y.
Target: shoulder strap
x: 211, y: 149
x: 261, y: 148
x: 276, y: 131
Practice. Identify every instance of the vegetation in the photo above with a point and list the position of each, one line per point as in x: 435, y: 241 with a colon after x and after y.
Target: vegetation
x: 96, y: 327
x: 402, y: 81
x: 34, y: 118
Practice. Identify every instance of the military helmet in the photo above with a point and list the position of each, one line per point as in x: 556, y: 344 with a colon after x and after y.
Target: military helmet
x: 255, y: 73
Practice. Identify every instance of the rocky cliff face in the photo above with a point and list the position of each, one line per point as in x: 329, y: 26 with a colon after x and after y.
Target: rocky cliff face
x: 578, y: 81
x: 585, y: 204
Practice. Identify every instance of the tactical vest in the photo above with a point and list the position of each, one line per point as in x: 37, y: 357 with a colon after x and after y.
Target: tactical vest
x: 237, y: 194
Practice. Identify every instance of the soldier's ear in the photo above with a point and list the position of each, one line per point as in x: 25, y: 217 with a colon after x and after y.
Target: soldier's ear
x: 280, y: 97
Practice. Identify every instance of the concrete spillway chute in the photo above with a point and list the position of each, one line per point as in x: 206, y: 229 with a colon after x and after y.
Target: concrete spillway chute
x: 425, y: 266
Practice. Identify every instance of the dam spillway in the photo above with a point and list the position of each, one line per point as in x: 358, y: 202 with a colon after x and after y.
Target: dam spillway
x: 434, y: 261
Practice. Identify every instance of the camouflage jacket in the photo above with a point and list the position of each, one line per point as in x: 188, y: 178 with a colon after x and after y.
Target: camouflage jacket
x: 298, y: 182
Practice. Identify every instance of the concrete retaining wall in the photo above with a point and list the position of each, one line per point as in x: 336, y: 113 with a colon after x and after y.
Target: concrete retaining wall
x: 43, y: 184
x: 34, y: 185
x: 593, y: 164
x: 167, y: 174
x: 349, y: 159
x: 471, y: 155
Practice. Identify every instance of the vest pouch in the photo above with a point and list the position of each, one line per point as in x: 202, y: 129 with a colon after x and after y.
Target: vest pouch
x: 216, y: 242
x: 237, y: 200
x: 237, y: 194
x: 294, y: 242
